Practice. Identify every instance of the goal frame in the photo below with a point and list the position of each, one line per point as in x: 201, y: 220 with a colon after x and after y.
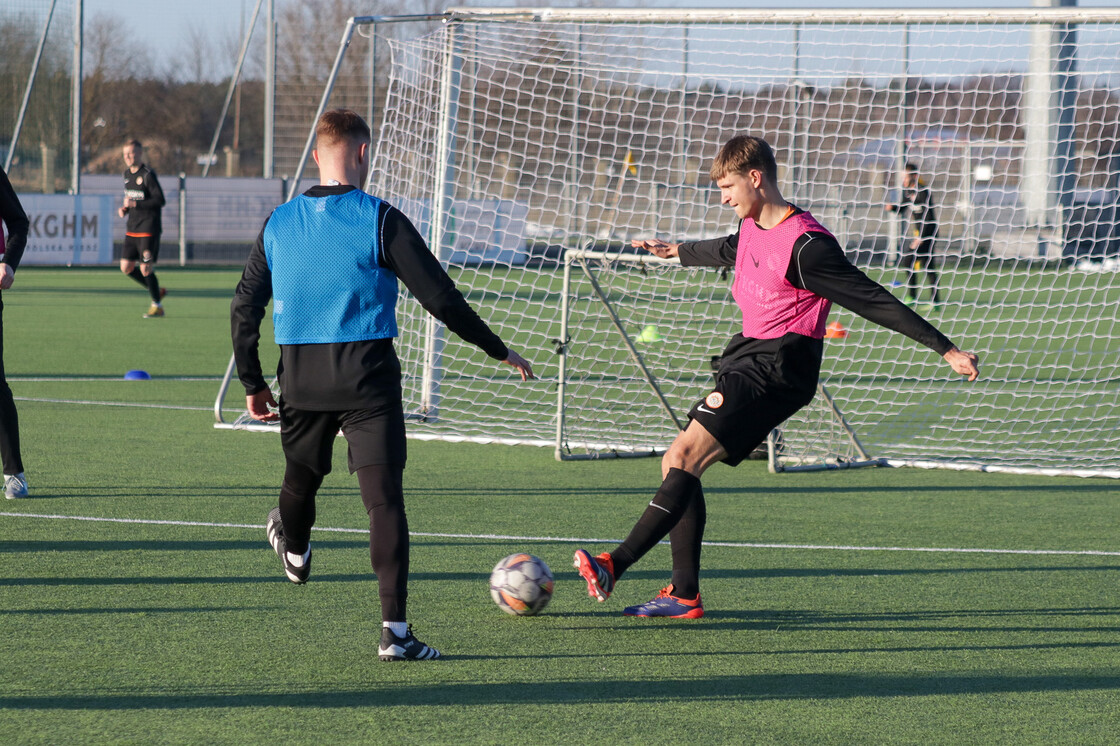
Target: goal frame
x: 566, y: 449
x: 445, y: 134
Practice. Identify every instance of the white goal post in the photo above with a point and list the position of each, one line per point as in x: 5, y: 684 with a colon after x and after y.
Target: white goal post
x: 530, y: 145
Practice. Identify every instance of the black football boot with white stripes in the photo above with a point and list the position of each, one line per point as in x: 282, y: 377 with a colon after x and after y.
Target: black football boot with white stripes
x: 296, y: 567
x: 407, y: 648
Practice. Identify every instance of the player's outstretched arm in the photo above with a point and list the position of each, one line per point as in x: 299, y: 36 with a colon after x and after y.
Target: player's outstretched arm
x: 258, y: 404
x: 965, y: 363
x: 521, y: 365
x: 656, y: 246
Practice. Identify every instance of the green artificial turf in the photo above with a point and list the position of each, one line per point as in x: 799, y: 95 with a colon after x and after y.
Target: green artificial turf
x: 148, y: 631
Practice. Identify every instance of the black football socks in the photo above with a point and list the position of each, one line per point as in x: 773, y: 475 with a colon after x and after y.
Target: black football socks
x: 663, y: 513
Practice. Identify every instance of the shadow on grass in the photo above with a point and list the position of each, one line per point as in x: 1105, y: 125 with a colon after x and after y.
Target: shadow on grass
x: 142, y: 580
x: 145, y: 610
x: 131, y: 289
x: 843, y: 572
x: 188, y: 492
x: 871, y: 572
x: 811, y: 651
x: 1103, y: 486
x: 927, y: 621
x: 801, y: 686
x: 9, y: 547
x: 971, y: 621
x: 420, y: 494
x: 278, y: 578
x: 55, y: 376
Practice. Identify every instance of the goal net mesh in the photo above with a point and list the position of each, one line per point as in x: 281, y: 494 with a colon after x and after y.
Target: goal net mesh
x: 510, y: 143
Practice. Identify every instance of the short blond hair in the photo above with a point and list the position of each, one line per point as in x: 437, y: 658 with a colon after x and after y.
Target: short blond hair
x: 742, y: 154
x: 341, y: 126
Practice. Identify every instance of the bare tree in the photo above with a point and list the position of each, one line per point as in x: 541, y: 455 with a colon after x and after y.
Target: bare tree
x: 195, y: 58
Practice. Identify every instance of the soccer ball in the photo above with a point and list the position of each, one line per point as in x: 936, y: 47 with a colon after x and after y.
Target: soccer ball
x: 521, y: 584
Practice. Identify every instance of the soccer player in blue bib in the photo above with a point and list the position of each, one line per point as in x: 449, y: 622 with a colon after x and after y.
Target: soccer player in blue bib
x: 330, y: 260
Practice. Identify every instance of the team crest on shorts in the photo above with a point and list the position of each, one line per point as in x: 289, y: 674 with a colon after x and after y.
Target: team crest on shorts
x: 714, y: 400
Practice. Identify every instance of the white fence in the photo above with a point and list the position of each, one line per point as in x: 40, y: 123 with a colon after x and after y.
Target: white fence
x: 208, y: 220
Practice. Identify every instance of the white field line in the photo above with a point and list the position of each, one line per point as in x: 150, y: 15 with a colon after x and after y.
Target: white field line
x: 140, y: 405
x: 574, y: 540
x: 95, y: 379
x: 96, y: 403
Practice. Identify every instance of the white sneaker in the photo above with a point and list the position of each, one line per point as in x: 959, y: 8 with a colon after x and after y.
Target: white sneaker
x: 15, y: 486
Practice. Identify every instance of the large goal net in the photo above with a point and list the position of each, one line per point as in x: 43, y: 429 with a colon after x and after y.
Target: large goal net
x: 530, y: 146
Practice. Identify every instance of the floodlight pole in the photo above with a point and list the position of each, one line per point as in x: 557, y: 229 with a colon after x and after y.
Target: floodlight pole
x: 269, y: 89
x: 76, y: 103
x: 234, y: 79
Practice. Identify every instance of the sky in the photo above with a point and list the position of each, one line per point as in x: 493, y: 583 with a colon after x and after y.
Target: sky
x: 162, y: 23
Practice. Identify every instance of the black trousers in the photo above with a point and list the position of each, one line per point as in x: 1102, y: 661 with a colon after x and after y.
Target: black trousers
x: 9, y: 418
x: 377, y: 454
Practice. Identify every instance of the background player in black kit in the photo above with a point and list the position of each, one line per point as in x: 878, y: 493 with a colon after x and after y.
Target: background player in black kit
x: 788, y: 271
x: 12, y: 245
x: 143, y: 205
x: 917, y: 205
x: 330, y: 260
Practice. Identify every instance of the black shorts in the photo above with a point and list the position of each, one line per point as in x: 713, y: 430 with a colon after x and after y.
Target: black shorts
x: 753, y: 398
x: 143, y: 249
x: 374, y: 436
x: 919, y: 258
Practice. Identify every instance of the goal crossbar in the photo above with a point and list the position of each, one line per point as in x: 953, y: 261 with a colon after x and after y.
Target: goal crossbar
x: 815, y: 16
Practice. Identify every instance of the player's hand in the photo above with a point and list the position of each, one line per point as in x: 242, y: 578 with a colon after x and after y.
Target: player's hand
x: 656, y: 246
x: 7, y: 276
x: 965, y: 363
x: 258, y: 405
x: 121, y: 211
x: 521, y: 364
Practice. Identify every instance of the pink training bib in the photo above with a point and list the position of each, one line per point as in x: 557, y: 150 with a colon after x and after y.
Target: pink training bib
x: 771, y: 306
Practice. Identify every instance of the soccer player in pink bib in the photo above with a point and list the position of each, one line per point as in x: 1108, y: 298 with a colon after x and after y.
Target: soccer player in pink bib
x: 789, y: 270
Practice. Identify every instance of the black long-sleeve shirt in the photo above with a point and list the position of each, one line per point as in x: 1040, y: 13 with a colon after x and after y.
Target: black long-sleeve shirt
x: 16, y: 222
x: 351, y: 375
x: 143, y: 186
x: 818, y: 264
x: 917, y: 203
